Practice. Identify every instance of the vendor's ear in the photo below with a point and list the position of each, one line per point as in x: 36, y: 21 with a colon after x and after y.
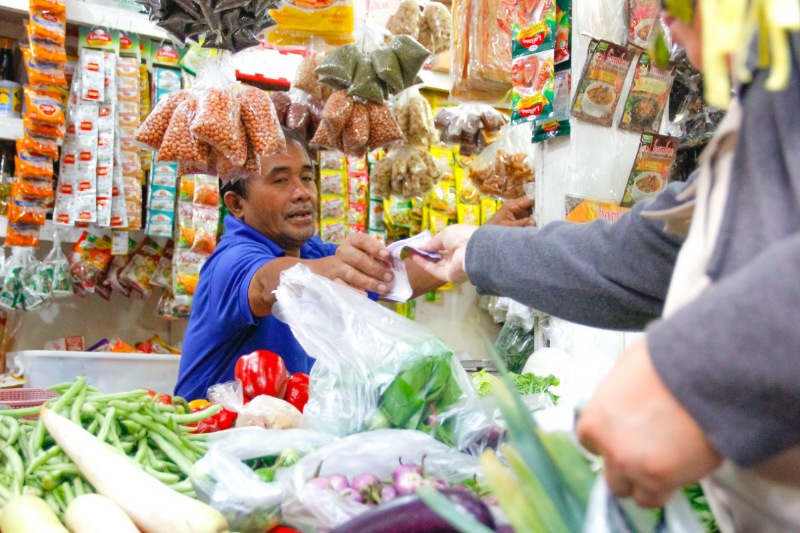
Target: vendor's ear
x: 234, y: 203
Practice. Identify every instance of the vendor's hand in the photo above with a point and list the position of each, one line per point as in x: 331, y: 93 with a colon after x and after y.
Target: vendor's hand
x: 362, y: 263
x: 515, y: 212
x: 650, y: 444
x: 451, y: 243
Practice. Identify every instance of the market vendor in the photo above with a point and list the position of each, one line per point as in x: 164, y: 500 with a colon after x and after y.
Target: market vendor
x: 271, y: 228
x: 710, y: 268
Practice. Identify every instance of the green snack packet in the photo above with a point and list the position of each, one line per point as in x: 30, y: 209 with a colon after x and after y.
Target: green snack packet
x: 411, y: 55
x: 387, y: 67
x: 366, y: 83
x: 338, y: 67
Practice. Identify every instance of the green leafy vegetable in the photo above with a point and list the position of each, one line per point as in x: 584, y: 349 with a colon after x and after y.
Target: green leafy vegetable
x: 485, y: 383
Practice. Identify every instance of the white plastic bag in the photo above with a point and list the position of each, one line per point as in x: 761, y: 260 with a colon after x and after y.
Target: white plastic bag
x: 374, y: 368
x: 377, y: 452
x: 222, y: 480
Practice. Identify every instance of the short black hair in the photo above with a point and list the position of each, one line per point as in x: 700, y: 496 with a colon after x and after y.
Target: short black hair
x: 240, y: 186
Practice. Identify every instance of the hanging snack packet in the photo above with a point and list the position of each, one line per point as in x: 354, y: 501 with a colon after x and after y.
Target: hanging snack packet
x: 55, y: 6
x: 38, y: 146
x: 22, y: 235
x: 505, y: 167
x: 366, y: 83
x: 216, y: 123
x: 601, y: 82
x: 151, y: 132
x: 411, y: 55
x: 355, y: 136
x: 647, y: 97
x: 260, y: 121
x: 642, y: 18
x: 557, y: 123
x: 44, y: 107
x: 162, y: 277
x: 88, y: 259
x: 179, y: 143
x: 42, y: 75
x: 186, y: 273
x: 31, y: 166
x: 534, y: 83
x: 91, y: 71
x: 387, y: 68
x: 383, y: 127
x: 337, y: 68
x: 58, y: 265
x: 32, y: 128
x: 651, y: 169
x: 48, y: 25
x: 46, y: 52
x: 142, y: 266
x: 33, y: 189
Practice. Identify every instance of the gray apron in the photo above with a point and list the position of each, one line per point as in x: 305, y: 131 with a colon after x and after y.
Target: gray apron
x: 767, y: 498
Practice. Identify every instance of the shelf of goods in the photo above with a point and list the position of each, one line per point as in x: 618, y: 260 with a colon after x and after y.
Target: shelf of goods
x: 98, y: 15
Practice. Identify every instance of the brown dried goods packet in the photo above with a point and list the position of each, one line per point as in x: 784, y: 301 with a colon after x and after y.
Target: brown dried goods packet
x: 261, y: 122
x: 151, y: 132
x: 179, y: 144
x: 217, y: 121
x: 383, y: 128
x: 355, y: 136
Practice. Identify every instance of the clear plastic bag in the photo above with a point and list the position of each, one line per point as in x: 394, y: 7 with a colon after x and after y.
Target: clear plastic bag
x: 377, y: 452
x: 514, y: 345
x: 179, y: 143
x: 608, y: 514
x: 355, y: 136
x: 261, y: 121
x: 374, y: 368
x: 217, y: 120
x: 415, y: 118
x: 383, y: 128
x: 151, y: 132
x: 406, y: 172
x: 406, y: 20
x: 222, y: 479
x: 506, y: 165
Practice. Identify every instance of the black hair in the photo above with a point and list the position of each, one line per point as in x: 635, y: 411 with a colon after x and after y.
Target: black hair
x: 240, y: 186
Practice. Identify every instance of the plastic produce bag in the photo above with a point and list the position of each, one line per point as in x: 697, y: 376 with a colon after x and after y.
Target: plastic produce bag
x: 514, y: 345
x: 217, y: 120
x: 506, y: 166
x: 376, y: 369
x: 261, y: 122
x: 376, y: 452
x: 415, y: 118
x: 222, y: 480
x: 608, y: 514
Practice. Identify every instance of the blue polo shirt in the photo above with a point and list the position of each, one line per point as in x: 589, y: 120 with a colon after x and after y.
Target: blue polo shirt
x: 221, y: 326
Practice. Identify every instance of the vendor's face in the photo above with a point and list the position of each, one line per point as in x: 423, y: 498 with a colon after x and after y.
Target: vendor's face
x: 281, y: 203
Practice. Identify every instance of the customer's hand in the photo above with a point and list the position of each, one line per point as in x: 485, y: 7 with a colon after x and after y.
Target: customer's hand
x: 451, y: 243
x: 650, y: 444
x: 516, y: 212
x: 363, y: 263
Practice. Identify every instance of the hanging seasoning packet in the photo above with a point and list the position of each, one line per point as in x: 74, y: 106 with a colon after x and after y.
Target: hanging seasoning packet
x: 601, y: 83
x: 642, y: 18
x: 647, y: 97
x: 556, y: 123
x: 533, y: 27
x: 651, y: 169
x: 563, y: 31
x: 533, y: 86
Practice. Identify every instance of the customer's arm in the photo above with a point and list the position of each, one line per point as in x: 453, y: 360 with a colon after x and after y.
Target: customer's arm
x: 598, y: 274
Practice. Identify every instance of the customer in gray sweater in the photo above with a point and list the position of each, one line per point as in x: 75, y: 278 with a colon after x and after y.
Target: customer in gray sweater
x: 719, y: 377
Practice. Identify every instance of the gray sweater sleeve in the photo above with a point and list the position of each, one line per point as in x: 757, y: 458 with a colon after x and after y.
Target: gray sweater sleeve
x: 585, y: 273
x: 738, y: 374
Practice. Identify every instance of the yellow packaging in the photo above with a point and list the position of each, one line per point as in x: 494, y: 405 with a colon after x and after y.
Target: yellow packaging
x: 489, y: 207
x: 331, y: 207
x: 397, y: 212
x: 469, y: 214
x: 332, y: 230
x: 437, y: 221
x: 466, y: 192
x: 442, y: 198
x: 317, y: 17
x: 332, y: 182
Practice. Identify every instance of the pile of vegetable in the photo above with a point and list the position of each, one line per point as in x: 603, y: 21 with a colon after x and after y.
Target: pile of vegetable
x: 485, y: 383
x: 152, y: 430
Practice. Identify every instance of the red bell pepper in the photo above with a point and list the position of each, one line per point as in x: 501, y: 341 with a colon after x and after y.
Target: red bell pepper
x: 262, y: 372
x: 220, y: 421
x: 297, y: 391
x: 283, y: 529
x: 164, y: 399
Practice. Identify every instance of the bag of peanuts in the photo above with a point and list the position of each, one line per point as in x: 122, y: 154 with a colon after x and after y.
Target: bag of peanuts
x: 216, y: 121
x: 505, y: 167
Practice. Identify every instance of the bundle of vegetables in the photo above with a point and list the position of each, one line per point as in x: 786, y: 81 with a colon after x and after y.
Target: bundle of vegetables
x: 418, y: 396
x: 485, y: 383
x: 151, y: 429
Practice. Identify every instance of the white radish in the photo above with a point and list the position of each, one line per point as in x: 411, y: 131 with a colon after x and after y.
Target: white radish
x: 29, y: 514
x: 94, y: 513
x: 153, y: 506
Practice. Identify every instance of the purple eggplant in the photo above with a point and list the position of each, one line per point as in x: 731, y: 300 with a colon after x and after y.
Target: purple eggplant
x: 387, y: 494
x: 407, y: 479
x: 338, y: 482
x: 353, y: 495
x: 320, y: 483
x: 369, y: 486
x: 410, y: 514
